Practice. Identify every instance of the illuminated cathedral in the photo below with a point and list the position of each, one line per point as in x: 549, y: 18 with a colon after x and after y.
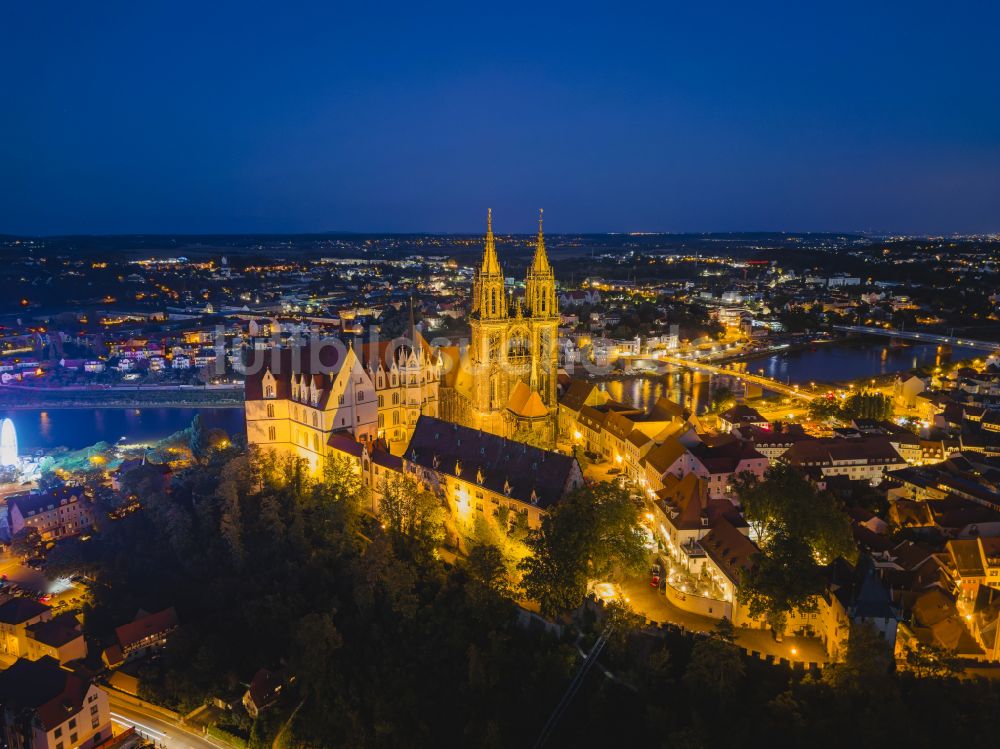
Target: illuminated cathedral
x: 505, y: 381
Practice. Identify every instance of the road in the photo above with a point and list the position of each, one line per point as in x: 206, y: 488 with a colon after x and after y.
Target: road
x: 157, y: 727
x: 654, y: 606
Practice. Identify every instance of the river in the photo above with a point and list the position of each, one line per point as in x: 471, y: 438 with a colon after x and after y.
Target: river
x: 79, y: 427
x: 826, y: 362
x: 76, y: 428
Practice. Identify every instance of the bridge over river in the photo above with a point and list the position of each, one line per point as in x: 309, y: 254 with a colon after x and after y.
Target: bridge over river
x: 949, y: 340
x: 774, y: 386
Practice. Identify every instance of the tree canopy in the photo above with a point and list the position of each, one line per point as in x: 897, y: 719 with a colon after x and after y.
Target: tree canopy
x: 798, y: 529
x: 590, y: 535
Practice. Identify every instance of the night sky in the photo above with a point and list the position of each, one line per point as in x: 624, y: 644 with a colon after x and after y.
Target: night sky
x: 142, y: 116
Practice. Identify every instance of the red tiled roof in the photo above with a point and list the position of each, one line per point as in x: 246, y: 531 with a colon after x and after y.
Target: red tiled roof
x: 160, y: 623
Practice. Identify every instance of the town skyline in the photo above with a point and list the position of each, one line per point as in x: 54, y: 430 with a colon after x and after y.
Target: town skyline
x: 405, y: 375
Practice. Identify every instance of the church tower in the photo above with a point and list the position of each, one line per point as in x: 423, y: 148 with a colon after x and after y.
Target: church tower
x: 543, y: 323
x: 488, y: 321
x: 512, y: 359
x: 488, y: 299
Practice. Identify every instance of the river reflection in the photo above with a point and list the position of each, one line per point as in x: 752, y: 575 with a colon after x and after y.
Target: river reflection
x: 79, y: 427
x: 820, y: 363
x: 691, y: 389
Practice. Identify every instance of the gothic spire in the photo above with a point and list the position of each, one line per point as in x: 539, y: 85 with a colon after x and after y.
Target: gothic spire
x: 540, y: 263
x: 412, y: 332
x: 491, y: 264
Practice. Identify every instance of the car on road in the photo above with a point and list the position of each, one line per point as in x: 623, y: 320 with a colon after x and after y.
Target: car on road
x: 606, y: 592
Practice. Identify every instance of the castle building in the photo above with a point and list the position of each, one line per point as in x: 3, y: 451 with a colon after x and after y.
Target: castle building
x: 505, y: 382
x: 299, y: 401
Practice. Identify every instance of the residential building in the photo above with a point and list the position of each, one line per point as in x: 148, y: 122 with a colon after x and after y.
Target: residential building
x: 145, y: 633
x: 43, y: 706
x: 60, y: 513
x: 61, y: 638
x: 16, y: 616
x: 741, y: 415
x: 867, y: 458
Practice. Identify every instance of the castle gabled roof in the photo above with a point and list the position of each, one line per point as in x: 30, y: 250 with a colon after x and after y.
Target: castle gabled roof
x: 521, y: 471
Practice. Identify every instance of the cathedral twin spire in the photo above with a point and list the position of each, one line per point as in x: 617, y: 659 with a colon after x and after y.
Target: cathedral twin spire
x: 489, y: 297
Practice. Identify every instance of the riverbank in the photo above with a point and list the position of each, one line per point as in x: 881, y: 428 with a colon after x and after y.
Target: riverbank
x: 21, y: 398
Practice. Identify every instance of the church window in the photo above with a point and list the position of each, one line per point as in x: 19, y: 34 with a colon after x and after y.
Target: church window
x: 381, y: 401
x: 395, y: 399
x: 269, y: 391
x: 340, y: 400
x: 270, y: 410
x: 271, y: 434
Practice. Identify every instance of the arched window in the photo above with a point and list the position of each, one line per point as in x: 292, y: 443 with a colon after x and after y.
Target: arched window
x: 493, y: 301
x: 381, y: 420
x: 270, y: 410
x: 269, y: 391
x: 381, y: 401
x: 271, y: 434
x: 395, y: 399
x: 316, y: 442
x: 395, y: 418
x: 315, y: 423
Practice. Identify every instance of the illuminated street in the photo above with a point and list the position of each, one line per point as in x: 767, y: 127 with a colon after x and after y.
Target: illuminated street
x: 654, y: 606
x: 157, y: 728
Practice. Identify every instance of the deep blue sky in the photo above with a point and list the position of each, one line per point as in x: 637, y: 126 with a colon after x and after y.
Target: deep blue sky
x: 148, y: 116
